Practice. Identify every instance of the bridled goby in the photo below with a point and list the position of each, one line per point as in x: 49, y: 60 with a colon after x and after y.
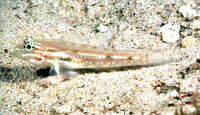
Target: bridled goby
x: 61, y: 55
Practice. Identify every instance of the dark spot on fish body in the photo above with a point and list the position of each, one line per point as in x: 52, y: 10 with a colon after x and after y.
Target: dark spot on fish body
x: 65, y: 59
x: 108, y: 57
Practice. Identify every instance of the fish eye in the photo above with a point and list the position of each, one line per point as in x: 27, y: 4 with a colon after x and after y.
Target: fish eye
x: 28, y: 44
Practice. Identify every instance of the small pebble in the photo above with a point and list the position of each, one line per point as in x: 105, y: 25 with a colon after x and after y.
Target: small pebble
x: 188, y: 41
x: 188, y: 109
x: 188, y: 12
x: 170, y: 32
x: 102, y: 28
x: 174, y: 93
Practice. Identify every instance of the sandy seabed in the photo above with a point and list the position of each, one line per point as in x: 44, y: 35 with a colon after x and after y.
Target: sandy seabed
x: 132, y: 25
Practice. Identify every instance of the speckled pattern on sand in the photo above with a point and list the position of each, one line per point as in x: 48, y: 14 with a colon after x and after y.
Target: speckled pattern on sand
x: 132, y: 25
